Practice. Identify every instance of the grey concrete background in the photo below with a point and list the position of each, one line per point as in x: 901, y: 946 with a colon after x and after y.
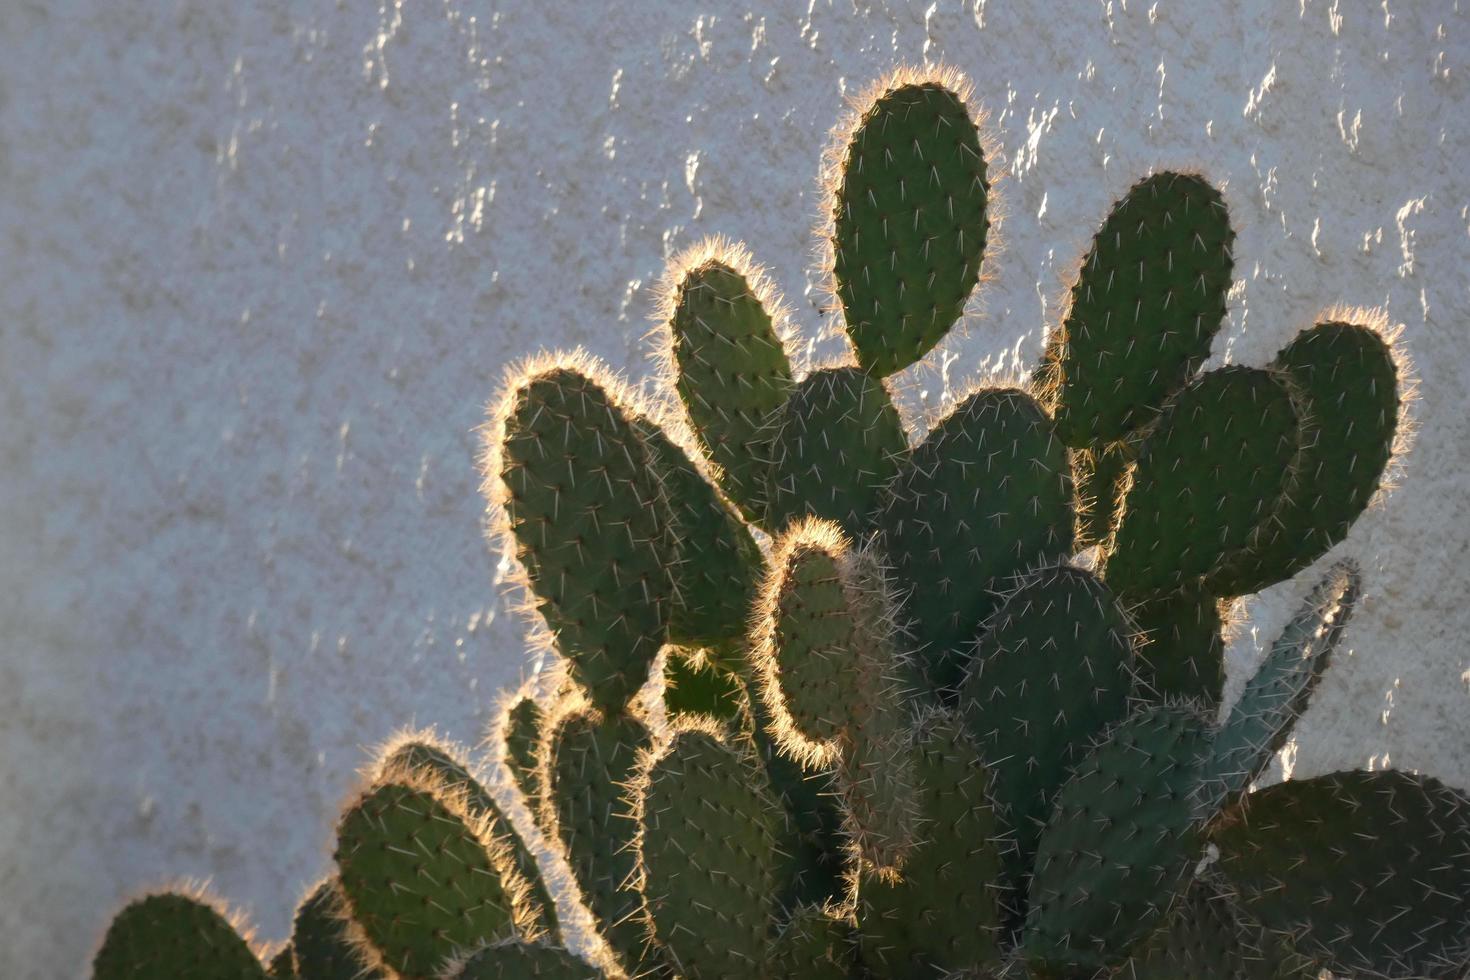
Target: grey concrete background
x: 261, y: 266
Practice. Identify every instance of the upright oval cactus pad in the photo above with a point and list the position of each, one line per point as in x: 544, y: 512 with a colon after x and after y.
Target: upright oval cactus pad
x: 1121, y: 843
x: 1370, y: 871
x: 514, y: 960
x: 707, y: 855
x: 838, y: 442
x: 590, y: 523
x: 322, y: 940
x: 728, y: 363
x: 520, y: 736
x: 909, y: 219
x: 419, y: 879
x: 985, y: 497
x: 1347, y: 376
x: 1052, y: 670
x: 1206, y: 478
x: 1148, y: 300
x: 173, y: 936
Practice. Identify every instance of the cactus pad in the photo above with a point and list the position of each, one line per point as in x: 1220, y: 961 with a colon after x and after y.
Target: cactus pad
x: 419, y: 879
x: 1121, y: 842
x: 1206, y: 478
x: 591, y: 760
x: 909, y: 220
x: 838, y: 441
x: 1051, y: 672
x: 707, y: 855
x: 322, y: 940
x: 1370, y: 871
x: 1348, y: 380
x: 514, y: 960
x: 591, y: 526
x: 729, y: 366
x: 1148, y: 300
x: 987, y: 495
x: 940, y: 914
x: 172, y: 936
x: 520, y: 736
x: 1101, y: 474
x: 282, y: 965
x: 1275, y: 697
x: 717, y: 561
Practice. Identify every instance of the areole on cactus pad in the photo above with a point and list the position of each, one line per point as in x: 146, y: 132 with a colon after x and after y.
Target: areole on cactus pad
x: 927, y: 704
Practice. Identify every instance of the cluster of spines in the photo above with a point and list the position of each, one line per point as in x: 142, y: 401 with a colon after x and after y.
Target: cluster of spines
x: 942, y: 779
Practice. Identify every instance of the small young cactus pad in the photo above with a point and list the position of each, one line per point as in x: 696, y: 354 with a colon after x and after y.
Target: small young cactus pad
x: 174, y: 936
x: 516, y: 960
x: 322, y: 940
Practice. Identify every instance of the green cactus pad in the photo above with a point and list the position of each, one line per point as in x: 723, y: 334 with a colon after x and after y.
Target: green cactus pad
x: 171, y: 936
x: 815, y: 944
x: 1051, y: 672
x: 521, y: 736
x: 1206, y: 478
x: 694, y: 685
x: 1278, y: 693
x: 323, y: 945
x: 707, y: 855
x: 422, y: 750
x: 1370, y: 871
x: 909, y: 221
x: 1101, y: 473
x: 730, y: 369
x: 1120, y: 844
x: 717, y: 562
x: 420, y: 880
x: 1207, y: 937
x: 986, y: 496
x: 282, y: 965
x: 1148, y: 300
x: 940, y: 915
x: 513, y: 960
x: 829, y: 675
x: 591, y: 525
x: 591, y: 761
x: 1348, y: 381
x: 837, y: 442
x: 1181, y: 649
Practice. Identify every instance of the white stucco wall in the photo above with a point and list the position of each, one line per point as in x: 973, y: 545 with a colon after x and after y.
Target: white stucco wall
x: 262, y: 264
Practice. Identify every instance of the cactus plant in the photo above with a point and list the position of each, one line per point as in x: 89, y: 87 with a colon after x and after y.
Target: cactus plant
x: 929, y: 710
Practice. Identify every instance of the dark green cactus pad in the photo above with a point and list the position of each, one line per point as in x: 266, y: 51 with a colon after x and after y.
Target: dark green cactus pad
x: 591, y: 761
x: 1101, y: 474
x: 1052, y: 670
x: 591, y: 526
x: 1148, y: 300
x: 1277, y: 694
x: 514, y: 960
x: 730, y: 370
x: 707, y: 855
x: 717, y: 562
x: 324, y: 948
x: 1209, y: 474
x: 815, y: 944
x: 940, y: 914
x: 693, y: 685
x: 909, y: 221
x: 986, y: 496
x: 1347, y: 378
x: 1121, y: 842
x: 420, y: 881
x: 1370, y: 871
x: 1206, y: 937
x: 423, y: 751
x: 171, y: 936
x: 521, y: 736
x: 837, y: 442
x: 282, y: 964
x: 1181, y: 649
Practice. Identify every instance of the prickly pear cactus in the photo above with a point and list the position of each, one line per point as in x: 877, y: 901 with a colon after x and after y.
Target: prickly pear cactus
x: 931, y: 700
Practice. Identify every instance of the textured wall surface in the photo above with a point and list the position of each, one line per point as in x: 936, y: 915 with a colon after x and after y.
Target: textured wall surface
x: 262, y: 264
